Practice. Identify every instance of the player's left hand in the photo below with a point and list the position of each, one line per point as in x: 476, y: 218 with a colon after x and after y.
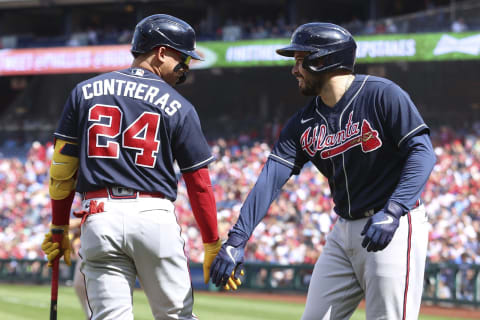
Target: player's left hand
x: 53, y: 249
x: 380, y: 228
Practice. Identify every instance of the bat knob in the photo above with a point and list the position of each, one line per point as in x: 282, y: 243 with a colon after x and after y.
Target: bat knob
x: 57, y: 231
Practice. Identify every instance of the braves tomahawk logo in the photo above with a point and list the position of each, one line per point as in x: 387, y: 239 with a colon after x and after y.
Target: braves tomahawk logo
x: 330, y: 145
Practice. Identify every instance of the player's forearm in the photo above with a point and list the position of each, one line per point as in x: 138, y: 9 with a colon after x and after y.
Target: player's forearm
x: 202, y: 200
x: 418, y: 165
x: 61, y: 210
x: 269, y: 184
x: 62, y: 181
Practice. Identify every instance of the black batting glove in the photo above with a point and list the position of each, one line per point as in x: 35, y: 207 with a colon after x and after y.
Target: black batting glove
x: 228, y: 260
x: 380, y: 228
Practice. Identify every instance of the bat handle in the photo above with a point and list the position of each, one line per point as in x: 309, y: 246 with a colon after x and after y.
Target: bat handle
x: 57, y: 235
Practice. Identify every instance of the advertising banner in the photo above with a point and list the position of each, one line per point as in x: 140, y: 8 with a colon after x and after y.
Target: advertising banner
x: 248, y: 53
x: 64, y: 60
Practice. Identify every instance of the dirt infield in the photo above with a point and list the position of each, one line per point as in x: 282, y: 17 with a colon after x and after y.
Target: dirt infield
x: 459, y: 313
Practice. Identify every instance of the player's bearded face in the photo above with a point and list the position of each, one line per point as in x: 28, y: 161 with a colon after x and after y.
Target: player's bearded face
x: 308, y: 83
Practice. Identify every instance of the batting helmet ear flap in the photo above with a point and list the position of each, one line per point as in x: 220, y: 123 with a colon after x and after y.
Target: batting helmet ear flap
x: 318, y: 62
x: 325, y: 60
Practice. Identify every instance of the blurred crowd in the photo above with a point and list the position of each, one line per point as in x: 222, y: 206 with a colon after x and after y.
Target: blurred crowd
x: 432, y: 16
x: 245, y: 28
x: 452, y: 197
x: 298, y: 222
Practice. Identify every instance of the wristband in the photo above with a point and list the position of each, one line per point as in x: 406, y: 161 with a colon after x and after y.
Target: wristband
x: 236, y: 240
x: 394, y: 209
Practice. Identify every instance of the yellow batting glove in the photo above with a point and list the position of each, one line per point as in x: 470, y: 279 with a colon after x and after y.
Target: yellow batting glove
x: 53, y: 249
x: 211, y: 250
x: 233, y: 283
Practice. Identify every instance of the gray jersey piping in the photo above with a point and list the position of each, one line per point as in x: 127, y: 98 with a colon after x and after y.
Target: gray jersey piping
x: 196, y: 165
x: 328, y: 130
x: 343, y: 154
x: 410, y: 133
x: 65, y: 136
x: 283, y: 160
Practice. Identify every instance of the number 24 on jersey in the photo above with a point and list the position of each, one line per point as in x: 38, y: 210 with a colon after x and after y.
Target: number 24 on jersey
x: 141, y: 135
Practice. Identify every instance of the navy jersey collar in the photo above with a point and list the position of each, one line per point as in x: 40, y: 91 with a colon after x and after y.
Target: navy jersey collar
x: 324, y: 109
x: 141, y: 73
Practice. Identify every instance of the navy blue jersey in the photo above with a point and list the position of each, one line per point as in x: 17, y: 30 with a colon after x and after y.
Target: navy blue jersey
x: 131, y: 126
x: 356, y: 144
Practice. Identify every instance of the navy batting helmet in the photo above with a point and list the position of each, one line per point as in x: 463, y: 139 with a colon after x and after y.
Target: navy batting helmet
x: 164, y: 30
x: 332, y: 43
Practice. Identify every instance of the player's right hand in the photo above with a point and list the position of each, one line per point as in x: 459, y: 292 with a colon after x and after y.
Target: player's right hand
x: 234, y: 280
x: 228, y: 265
x: 54, y: 249
x: 211, y: 251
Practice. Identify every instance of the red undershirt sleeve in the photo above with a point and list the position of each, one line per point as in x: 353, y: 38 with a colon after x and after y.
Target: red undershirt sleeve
x: 61, y: 210
x: 202, y: 201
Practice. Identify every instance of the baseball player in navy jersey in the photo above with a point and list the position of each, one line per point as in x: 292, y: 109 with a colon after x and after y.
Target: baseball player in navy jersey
x: 116, y: 143
x: 365, y: 135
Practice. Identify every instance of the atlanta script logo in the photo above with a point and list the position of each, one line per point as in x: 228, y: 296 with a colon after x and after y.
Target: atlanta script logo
x: 330, y: 145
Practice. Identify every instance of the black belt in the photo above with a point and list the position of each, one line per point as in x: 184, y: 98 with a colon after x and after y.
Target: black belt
x: 371, y: 212
x: 120, y: 193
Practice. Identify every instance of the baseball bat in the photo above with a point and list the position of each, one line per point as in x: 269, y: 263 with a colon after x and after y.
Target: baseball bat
x: 57, y: 235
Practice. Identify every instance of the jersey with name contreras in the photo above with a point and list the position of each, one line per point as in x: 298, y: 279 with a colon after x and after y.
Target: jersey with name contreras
x: 356, y: 144
x: 131, y: 126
